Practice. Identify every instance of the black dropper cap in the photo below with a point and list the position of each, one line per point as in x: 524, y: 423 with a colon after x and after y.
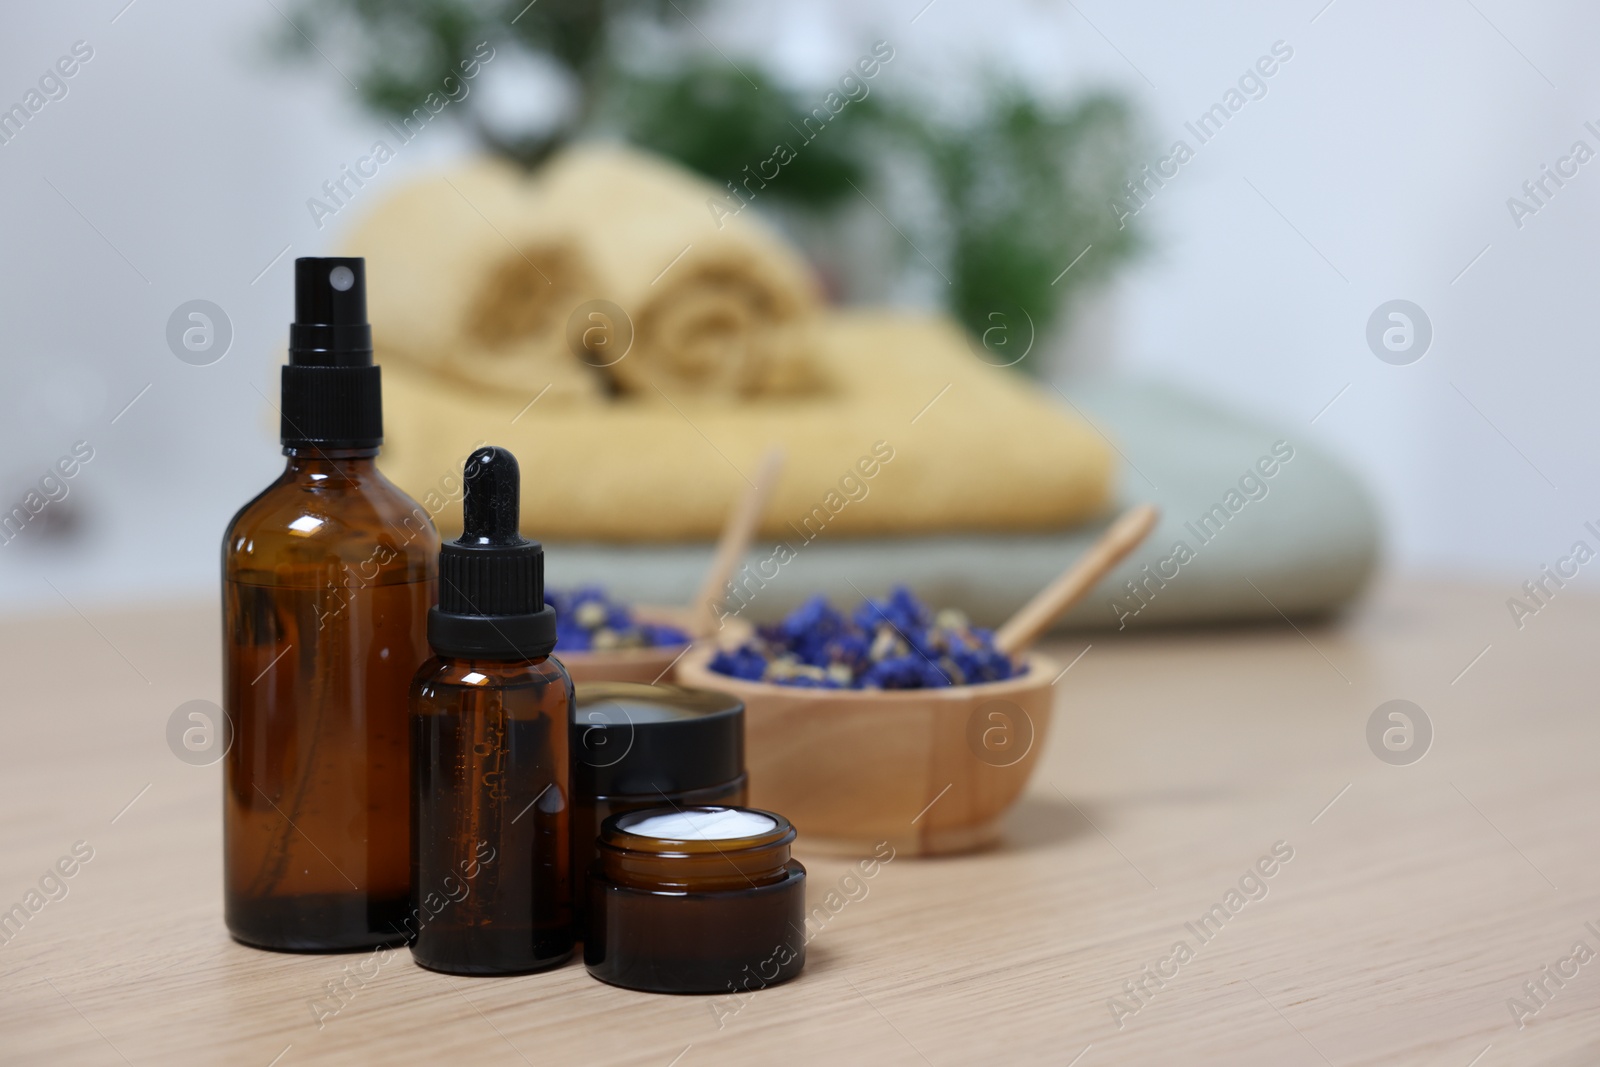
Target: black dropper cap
x: 331, y: 390
x: 491, y: 578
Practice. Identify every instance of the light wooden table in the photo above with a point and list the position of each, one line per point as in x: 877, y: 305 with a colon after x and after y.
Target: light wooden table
x: 1419, y: 898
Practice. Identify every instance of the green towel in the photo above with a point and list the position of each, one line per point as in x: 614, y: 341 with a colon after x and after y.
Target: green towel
x: 1300, y: 541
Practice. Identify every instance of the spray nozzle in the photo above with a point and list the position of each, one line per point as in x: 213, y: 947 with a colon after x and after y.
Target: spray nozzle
x: 330, y: 313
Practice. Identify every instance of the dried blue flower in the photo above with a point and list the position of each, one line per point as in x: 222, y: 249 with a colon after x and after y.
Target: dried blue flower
x: 743, y: 662
x: 891, y: 643
x: 588, y: 620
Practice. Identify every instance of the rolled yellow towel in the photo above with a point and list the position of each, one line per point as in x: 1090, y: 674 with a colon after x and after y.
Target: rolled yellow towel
x: 466, y: 281
x: 718, y: 309
x: 494, y: 279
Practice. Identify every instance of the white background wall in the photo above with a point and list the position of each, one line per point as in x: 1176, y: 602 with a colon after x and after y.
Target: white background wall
x: 1377, y: 167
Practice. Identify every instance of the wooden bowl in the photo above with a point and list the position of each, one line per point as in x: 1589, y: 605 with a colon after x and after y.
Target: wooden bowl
x: 930, y: 771
x: 639, y: 664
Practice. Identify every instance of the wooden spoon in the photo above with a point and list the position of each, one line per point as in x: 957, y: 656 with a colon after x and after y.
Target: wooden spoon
x: 737, y: 533
x: 1074, y: 583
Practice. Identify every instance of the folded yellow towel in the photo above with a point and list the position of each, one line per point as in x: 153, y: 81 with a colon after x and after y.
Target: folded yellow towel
x: 952, y: 445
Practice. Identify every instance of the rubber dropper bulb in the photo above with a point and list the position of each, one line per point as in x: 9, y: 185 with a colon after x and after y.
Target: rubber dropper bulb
x: 491, y: 508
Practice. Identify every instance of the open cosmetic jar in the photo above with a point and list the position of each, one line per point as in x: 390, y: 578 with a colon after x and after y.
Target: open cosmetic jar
x: 696, y: 900
x: 645, y: 746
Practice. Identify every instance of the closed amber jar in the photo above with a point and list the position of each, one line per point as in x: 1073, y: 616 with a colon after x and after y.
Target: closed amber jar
x: 640, y: 746
x: 696, y: 913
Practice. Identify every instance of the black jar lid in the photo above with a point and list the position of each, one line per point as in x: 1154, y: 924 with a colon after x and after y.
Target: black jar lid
x: 631, y: 739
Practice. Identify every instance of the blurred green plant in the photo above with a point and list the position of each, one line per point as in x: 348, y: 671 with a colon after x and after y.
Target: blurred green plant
x: 1024, y: 188
x: 707, y: 116
x: 1020, y: 188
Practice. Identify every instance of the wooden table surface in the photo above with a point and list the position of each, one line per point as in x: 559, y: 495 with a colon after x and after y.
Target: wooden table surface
x: 1418, y: 900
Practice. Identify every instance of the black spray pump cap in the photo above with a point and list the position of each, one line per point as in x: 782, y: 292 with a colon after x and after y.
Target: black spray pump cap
x: 331, y: 390
x: 491, y: 578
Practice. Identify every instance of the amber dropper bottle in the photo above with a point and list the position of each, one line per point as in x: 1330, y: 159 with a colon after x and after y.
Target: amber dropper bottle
x: 491, y: 838
x: 328, y: 576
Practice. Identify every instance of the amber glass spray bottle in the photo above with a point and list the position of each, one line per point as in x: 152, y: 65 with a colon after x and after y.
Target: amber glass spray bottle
x: 491, y: 867
x: 328, y: 576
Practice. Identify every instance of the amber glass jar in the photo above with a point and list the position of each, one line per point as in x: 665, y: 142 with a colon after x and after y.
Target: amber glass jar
x: 696, y: 900
x: 640, y: 746
x: 328, y: 576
